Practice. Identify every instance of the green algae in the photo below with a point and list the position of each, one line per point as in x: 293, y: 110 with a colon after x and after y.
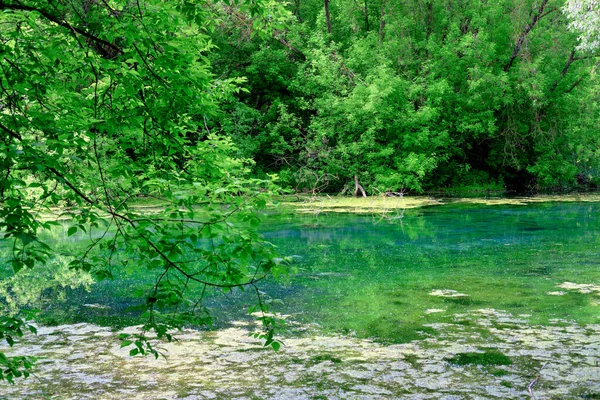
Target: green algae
x: 382, y: 274
x: 389, y: 206
x: 210, y: 365
x: 500, y: 372
x: 486, y: 358
x: 325, y: 357
x: 369, y: 278
x: 373, y: 279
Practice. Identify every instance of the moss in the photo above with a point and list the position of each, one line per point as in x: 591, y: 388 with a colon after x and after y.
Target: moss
x: 464, y: 322
x: 499, y: 372
x: 586, y: 394
x: 505, y: 325
x: 412, y: 360
x: 324, y: 357
x: 429, y: 331
x: 490, y: 357
x: 507, y: 384
x: 463, y: 301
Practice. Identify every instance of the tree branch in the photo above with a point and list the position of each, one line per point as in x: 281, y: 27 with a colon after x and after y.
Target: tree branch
x: 536, y: 17
x: 11, y: 133
x: 575, y: 84
x: 71, y: 186
x: 564, y: 70
x: 59, y: 21
x: 289, y: 46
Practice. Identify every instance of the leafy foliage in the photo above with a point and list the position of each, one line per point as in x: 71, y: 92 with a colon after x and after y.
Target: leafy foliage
x: 103, y: 103
x: 195, y: 104
x: 417, y: 95
x: 584, y: 16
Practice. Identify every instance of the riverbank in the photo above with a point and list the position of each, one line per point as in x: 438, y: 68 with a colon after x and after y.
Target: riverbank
x: 390, y: 205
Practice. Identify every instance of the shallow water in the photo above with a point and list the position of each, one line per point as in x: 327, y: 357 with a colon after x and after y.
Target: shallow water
x: 378, y: 278
x: 84, y: 361
x: 407, y: 293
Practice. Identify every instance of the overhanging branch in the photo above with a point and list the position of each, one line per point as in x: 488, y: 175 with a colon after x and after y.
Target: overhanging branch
x: 115, y: 50
x: 536, y: 17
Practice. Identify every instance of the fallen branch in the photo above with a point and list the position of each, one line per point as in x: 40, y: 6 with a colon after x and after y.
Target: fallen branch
x: 534, y: 381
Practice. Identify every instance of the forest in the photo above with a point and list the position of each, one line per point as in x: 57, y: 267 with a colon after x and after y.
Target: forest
x: 147, y: 138
x: 415, y: 96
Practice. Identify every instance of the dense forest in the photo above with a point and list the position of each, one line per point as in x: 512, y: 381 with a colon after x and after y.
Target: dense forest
x: 209, y: 108
x: 413, y: 95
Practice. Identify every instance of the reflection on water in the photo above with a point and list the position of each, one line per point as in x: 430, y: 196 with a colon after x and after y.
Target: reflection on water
x: 478, y: 300
x: 369, y: 277
x: 375, y: 279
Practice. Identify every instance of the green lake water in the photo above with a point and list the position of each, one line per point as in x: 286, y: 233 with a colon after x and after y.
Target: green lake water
x: 377, y: 278
x: 454, y: 301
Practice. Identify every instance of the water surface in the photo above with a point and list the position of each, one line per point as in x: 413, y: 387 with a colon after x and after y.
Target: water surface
x: 458, y: 300
x: 378, y: 278
x: 375, y: 278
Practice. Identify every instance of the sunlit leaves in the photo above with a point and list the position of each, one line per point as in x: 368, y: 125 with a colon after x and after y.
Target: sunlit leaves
x: 421, y: 95
x: 584, y: 17
x: 103, y: 106
x: 12, y: 328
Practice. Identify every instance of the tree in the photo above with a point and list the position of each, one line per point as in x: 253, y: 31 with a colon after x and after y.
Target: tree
x: 103, y: 102
x: 439, y: 93
x: 584, y: 16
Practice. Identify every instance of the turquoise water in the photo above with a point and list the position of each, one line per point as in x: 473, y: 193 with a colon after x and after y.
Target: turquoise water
x: 377, y: 278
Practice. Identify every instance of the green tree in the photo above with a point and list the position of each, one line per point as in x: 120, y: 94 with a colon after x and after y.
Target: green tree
x: 102, y: 102
x: 423, y: 94
x: 584, y: 17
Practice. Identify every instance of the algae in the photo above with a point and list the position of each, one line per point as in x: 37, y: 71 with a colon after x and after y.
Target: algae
x: 325, y: 357
x: 211, y: 365
x: 390, y: 206
x: 486, y: 358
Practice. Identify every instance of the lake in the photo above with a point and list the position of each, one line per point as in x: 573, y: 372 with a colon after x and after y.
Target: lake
x: 460, y: 300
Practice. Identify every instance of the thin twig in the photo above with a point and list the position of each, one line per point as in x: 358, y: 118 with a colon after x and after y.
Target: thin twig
x: 534, y: 381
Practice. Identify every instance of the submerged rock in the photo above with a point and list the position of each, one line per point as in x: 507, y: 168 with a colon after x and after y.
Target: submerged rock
x: 447, y: 293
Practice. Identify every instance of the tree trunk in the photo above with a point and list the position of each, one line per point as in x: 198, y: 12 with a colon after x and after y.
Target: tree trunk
x: 358, y: 187
x: 382, y: 21
x: 327, y: 16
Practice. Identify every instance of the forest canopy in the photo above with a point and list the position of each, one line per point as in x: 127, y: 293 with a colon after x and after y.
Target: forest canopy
x: 418, y: 95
